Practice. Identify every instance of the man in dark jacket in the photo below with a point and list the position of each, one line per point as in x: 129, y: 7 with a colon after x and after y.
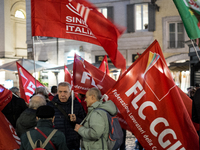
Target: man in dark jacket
x: 64, y: 124
x: 15, y: 107
x: 27, y: 119
x: 45, y: 117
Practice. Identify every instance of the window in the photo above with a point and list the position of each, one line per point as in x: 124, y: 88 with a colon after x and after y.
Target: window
x: 104, y: 11
x: 176, y: 35
x: 141, y: 16
x: 107, y: 12
x: 20, y: 14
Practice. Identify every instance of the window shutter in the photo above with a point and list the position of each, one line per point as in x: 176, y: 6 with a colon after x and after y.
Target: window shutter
x: 151, y: 11
x: 110, y: 13
x: 130, y: 18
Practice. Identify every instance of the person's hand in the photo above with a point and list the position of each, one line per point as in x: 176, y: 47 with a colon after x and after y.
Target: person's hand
x: 77, y: 126
x: 72, y: 117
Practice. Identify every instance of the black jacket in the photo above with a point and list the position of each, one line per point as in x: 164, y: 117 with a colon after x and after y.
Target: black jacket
x: 26, y: 121
x: 64, y: 124
x: 13, y: 109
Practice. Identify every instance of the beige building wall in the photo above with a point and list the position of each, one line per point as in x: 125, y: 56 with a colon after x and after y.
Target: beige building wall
x: 168, y: 13
x: 12, y: 36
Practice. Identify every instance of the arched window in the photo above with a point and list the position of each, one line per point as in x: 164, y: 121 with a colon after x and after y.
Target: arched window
x: 20, y: 14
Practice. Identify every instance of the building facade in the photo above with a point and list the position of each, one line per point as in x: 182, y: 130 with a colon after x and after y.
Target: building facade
x: 144, y: 20
x: 12, y: 36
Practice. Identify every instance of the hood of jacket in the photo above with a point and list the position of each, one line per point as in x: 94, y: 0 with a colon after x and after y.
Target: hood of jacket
x: 109, y: 106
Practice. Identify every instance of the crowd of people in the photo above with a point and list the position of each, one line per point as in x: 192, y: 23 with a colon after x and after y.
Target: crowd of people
x: 51, y: 117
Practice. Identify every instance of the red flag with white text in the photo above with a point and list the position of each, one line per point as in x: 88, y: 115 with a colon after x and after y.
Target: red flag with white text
x: 5, y: 97
x: 86, y: 76
x: 26, y: 83
x: 68, y: 76
x: 8, y: 137
x: 104, y: 65
x: 151, y: 104
x: 74, y: 19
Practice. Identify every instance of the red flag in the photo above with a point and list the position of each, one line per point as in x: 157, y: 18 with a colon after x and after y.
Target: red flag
x: 5, y: 97
x: 151, y: 104
x: 68, y: 76
x: 27, y: 83
x: 74, y: 19
x: 86, y: 76
x: 8, y: 137
x: 104, y: 65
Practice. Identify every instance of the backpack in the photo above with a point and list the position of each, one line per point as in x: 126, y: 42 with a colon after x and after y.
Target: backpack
x: 38, y: 145
x: 116, y: 135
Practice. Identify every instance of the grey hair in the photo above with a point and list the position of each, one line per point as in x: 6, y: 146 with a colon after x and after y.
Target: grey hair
x: 41, y: 90
x: 37, y: 101
x: 96, y: 92
x: 14, y: 89
x: 65, y: 84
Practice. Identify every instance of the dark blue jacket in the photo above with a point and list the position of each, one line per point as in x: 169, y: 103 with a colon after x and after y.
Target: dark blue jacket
x: 65, y: 125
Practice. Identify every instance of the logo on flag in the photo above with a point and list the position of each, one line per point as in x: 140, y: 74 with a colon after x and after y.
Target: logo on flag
x: 77, y: 25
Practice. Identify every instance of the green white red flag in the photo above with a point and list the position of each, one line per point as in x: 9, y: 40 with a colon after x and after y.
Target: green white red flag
x: 189, y: 11
x: 26, y: 83
x: 152, y: 105
x: 77, y: 20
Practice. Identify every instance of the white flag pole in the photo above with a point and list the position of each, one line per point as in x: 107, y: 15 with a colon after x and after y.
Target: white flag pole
x: 72, y: 106
x: 34, y: 55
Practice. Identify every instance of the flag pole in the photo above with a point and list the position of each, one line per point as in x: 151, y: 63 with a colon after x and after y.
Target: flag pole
x: 195, y: 49
x: 72, y: 106
x: 34, y: 55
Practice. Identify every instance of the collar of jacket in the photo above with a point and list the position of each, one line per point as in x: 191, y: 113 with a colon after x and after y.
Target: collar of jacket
x: 94, y: 106
x: 44, y: 123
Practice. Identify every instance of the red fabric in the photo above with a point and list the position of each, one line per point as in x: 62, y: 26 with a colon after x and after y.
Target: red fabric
x: 151, y: 104
x: 5, y: 97
x: 50, y: 96
x: 68, y: 77
x: 75, y: 20
x: 26, y: 83
x: 86, y: 76
x: 8, y: 137
x: 104, y: 65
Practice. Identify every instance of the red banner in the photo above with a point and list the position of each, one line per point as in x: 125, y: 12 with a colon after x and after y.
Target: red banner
x: 68, y: 76
x: 74, y: 19
x: 26, y: 83
x: 8, y: 137
x: 86, y: 76
x: 151, y: 104
x: 104, y: 65
x: 5, y: 97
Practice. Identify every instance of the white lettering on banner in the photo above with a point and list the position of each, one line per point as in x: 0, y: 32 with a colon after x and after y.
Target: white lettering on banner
x: 121, y: 101
x: 86, y: 76
x: 133, y: 90
x: 143, y: 106
x: 80, y: 87
x: 155, y: 122
x: 164, y: 133
x: 31, y: 87
x: 17, y: 139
